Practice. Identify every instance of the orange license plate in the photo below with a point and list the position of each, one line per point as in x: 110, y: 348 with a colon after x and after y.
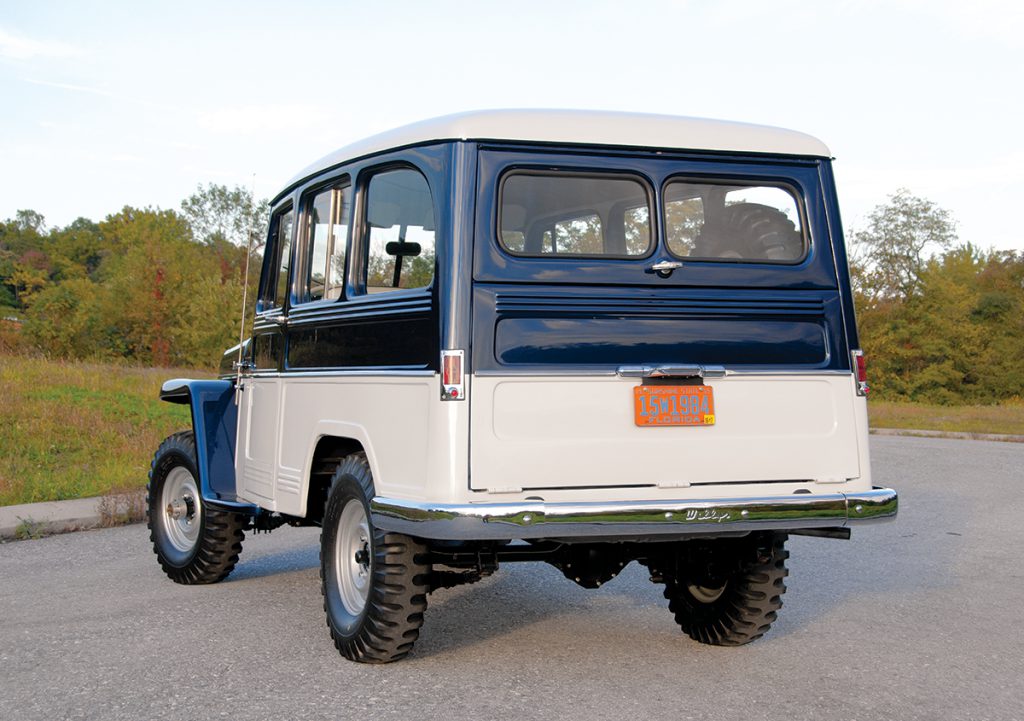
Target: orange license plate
x: 673, y: 406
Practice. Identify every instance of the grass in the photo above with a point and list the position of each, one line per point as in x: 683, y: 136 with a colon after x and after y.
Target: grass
x: 1004, y: 418
x: 73, y: 430
x: 28, y: 529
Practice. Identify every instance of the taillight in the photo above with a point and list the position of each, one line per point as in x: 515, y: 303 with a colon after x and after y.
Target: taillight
x: 860, y: 367
x: 453, y: 386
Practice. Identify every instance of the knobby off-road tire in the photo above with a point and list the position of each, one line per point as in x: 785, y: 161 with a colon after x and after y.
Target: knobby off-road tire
x: 736, y: 607
x: 374, y: 584
x: 193, y: 542
x: 752, y: 231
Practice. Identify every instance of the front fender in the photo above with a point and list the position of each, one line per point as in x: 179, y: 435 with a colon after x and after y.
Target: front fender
x: 215, y: 424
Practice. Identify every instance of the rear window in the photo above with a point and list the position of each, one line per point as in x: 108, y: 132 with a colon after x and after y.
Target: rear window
x: 722, y: 221
x: 573, y: 215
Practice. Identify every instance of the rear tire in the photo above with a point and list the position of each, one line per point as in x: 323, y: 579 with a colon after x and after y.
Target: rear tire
x: 729, y: 596
x: 194, y: 543
x: 374, y: 584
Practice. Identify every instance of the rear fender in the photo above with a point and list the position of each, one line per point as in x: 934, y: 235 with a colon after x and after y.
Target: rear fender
x: 215, y: 423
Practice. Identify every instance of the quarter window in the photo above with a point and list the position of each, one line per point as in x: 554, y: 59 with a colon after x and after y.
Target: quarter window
x: 328, y: 220
x: 563, y: 214
x: 718, y: 221
x: 400, y: 247
x: 274, y: 288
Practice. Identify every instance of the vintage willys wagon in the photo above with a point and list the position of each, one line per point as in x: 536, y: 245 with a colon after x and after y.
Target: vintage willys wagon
x: 576, y: 337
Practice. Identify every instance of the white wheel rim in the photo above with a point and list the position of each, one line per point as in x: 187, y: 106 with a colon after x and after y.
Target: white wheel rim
x: 182, y: 509
x: 352, y: 557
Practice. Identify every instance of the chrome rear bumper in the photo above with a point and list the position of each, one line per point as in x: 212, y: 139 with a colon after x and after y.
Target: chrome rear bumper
x: 630, y: 519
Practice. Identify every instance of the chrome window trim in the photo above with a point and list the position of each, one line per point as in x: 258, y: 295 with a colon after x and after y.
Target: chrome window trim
x: 360, y: 373
x: 580, y: 372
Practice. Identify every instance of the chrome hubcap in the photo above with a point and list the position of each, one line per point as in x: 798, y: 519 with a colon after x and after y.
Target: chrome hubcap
x: 352, y: 557
x: 182, y: 510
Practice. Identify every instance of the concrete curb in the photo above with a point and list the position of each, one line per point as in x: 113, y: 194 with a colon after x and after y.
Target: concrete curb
x: 31, y: 519
x: 1004, y: 437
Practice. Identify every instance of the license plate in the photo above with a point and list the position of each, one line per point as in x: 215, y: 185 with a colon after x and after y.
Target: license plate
x: 673, y: 406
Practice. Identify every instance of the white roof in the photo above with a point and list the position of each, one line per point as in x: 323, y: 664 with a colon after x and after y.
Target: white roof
x: 586, y: 127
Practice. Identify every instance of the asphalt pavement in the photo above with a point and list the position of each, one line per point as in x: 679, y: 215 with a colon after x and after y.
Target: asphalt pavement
x: 922, y: 618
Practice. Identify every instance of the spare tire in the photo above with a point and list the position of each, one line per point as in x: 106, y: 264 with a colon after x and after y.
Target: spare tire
x: 750, y: 231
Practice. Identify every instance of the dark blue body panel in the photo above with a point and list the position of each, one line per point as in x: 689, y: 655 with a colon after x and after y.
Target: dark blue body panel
x: 215, y: 422
x: 594, y: 328
x: 531, y: 314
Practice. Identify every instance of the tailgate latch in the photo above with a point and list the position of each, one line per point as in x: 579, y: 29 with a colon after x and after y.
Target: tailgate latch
x: 671, y: 371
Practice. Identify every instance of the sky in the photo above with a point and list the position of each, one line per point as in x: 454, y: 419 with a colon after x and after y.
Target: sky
x: 109, y: 104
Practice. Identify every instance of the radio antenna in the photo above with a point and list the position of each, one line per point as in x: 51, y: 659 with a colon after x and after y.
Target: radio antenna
x: 245, y: 281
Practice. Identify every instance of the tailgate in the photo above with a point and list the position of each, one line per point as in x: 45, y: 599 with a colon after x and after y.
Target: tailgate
x: 587, y: 267
x: 551, y: 407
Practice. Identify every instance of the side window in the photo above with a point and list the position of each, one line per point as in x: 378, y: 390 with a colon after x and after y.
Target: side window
x: 400, y: 246
x: 563, y: 214
x: 274, y: 286
x: 733, y: 222
x: 327, y: 217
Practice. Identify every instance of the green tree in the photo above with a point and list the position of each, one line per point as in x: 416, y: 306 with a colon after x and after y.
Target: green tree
x: 216, y: 212
x: 894, y: 248
x: 150, y: 279
x: 66, y: 320
x: 24, y: 267
x: 958, y: 339
x: 76, y: 250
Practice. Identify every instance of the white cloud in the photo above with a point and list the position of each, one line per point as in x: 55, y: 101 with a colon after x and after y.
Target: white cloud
x: 18, y: 47
x: 68, y: 86
x: 984, y: 19
x: 262, y: 118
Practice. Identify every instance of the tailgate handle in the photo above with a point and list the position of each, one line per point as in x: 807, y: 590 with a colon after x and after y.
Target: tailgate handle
x: 664, y: 268
x: 671, y: 371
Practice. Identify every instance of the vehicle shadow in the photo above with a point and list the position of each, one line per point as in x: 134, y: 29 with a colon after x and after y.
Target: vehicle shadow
x: 537, y: 604
x: 880, y: 574
x: 302, y: 558
x: 885, y: 572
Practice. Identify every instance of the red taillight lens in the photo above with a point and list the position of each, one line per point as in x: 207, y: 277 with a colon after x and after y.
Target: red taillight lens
x: 452, y: 373
x: 453, y: 382
x: 860, y: 368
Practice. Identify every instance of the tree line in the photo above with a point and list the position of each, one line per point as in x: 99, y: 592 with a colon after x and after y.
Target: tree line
x: 150, y: 286
x: 941, y: 320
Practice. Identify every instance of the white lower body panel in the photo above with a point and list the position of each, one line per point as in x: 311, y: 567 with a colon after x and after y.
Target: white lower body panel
x: 406, y: 431
x: 575, y: 432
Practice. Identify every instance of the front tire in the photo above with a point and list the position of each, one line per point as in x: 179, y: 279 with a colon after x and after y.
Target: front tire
x: 194, y: 543
x: 728, y: 592
x: 374, y: 583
